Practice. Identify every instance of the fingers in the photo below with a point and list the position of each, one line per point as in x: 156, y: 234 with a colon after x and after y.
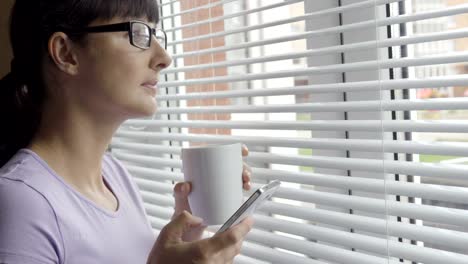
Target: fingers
x: 182, y: 189
x: 233, y: 237
x: 181, y: 192
x: 221, y: 248
x: 246, y: 182
x: 246, y: 176
x: 246, y: 225
x: 245, y: 150
x: 246, y: 172
x: 183, y: 223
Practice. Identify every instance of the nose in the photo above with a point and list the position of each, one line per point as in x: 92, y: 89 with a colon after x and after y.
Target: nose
x: 160, y: 59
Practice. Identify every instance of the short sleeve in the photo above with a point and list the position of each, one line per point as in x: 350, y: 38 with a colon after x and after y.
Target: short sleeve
x: 28, y: 226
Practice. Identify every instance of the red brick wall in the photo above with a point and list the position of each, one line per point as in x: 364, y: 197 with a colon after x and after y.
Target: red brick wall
x: 200, y: 30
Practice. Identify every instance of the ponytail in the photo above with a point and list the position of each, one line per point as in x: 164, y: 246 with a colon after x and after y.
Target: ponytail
x: 19, y: 112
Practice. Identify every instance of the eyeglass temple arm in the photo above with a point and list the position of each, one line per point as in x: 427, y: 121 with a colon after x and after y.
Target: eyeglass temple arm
x: 104, y: 28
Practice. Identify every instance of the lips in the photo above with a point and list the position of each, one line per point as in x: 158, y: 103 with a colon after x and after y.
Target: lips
x: 151, y: 86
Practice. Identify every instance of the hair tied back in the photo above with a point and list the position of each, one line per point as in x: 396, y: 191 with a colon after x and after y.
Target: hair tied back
x: 13, y: 85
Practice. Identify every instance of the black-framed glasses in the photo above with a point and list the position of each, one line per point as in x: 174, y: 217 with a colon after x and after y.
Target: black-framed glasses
x: 140, y: 33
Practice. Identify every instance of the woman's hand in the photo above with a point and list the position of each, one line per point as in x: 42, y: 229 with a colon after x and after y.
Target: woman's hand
x: 247, y: 171
x: 219, y: 249
x: 182, y: 190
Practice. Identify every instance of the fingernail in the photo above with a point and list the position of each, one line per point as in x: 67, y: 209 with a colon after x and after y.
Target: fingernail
x: 198, y: 219
x: 186, y: 187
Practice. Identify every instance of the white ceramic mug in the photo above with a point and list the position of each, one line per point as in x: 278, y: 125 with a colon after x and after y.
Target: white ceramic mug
x: 215, y: 172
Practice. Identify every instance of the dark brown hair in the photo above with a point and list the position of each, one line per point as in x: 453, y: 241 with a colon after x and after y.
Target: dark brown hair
x: 32, y: 22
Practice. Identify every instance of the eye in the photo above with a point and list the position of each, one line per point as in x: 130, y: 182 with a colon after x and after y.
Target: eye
x: 140, y: 32
x: 139, y: 29
x: 140, y: 36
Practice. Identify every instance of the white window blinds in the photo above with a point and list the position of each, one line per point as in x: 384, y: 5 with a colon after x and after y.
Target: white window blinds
x: 358, y: 107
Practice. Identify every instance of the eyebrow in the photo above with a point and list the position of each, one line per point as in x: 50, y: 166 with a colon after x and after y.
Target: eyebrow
x: 143, y: 19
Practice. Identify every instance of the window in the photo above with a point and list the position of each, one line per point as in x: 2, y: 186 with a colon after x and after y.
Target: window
x: 358, y: 106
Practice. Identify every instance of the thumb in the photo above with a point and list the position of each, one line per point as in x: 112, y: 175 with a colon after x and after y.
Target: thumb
x: 184, y: 222
x: 181, y: 192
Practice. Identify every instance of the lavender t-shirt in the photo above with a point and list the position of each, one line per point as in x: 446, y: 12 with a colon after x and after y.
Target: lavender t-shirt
x: 43, y: 220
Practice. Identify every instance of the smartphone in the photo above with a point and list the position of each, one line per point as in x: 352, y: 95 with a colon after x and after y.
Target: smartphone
x: 249, y: 207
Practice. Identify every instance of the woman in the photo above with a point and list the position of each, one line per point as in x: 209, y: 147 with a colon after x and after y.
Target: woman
x: 80, y: 69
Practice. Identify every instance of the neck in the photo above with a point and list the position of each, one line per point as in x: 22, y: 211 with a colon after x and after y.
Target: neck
x: 73, y: 143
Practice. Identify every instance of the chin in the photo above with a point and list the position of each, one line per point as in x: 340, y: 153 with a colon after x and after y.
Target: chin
x: 144, y: 111
x: 138, y: 106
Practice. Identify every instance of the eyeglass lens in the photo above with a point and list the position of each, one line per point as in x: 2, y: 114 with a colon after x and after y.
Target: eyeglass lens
x: 141, y: 35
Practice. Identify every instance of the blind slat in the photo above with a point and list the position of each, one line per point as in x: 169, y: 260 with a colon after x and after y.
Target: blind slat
x: 456, y: 57
x: 458, y: 80
x: 394, y: 105
x: 237, y: 14
x: 358, y: 241
x: 451, y: 126
x: 455, y: 217
x: 457, y: 149
x: 428, y: 191
x: 426, y: 234
x: 319, y: 250
x: 273, y: 255
x: 454, y: 149
x: 368, y: 224
x: 449, y: 11
x: 448, y: 171
x: 328, y: 50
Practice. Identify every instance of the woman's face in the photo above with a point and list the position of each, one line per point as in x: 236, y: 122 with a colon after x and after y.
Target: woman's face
x: 116, y: 78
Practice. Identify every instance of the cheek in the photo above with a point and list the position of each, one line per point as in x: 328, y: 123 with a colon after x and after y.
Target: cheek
x: 113, y: 60
x: 123, y: 90
x: 114, y: 83
x: 123, y: 77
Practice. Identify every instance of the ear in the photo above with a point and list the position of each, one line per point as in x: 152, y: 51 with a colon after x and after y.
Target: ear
x: 61, y: 51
